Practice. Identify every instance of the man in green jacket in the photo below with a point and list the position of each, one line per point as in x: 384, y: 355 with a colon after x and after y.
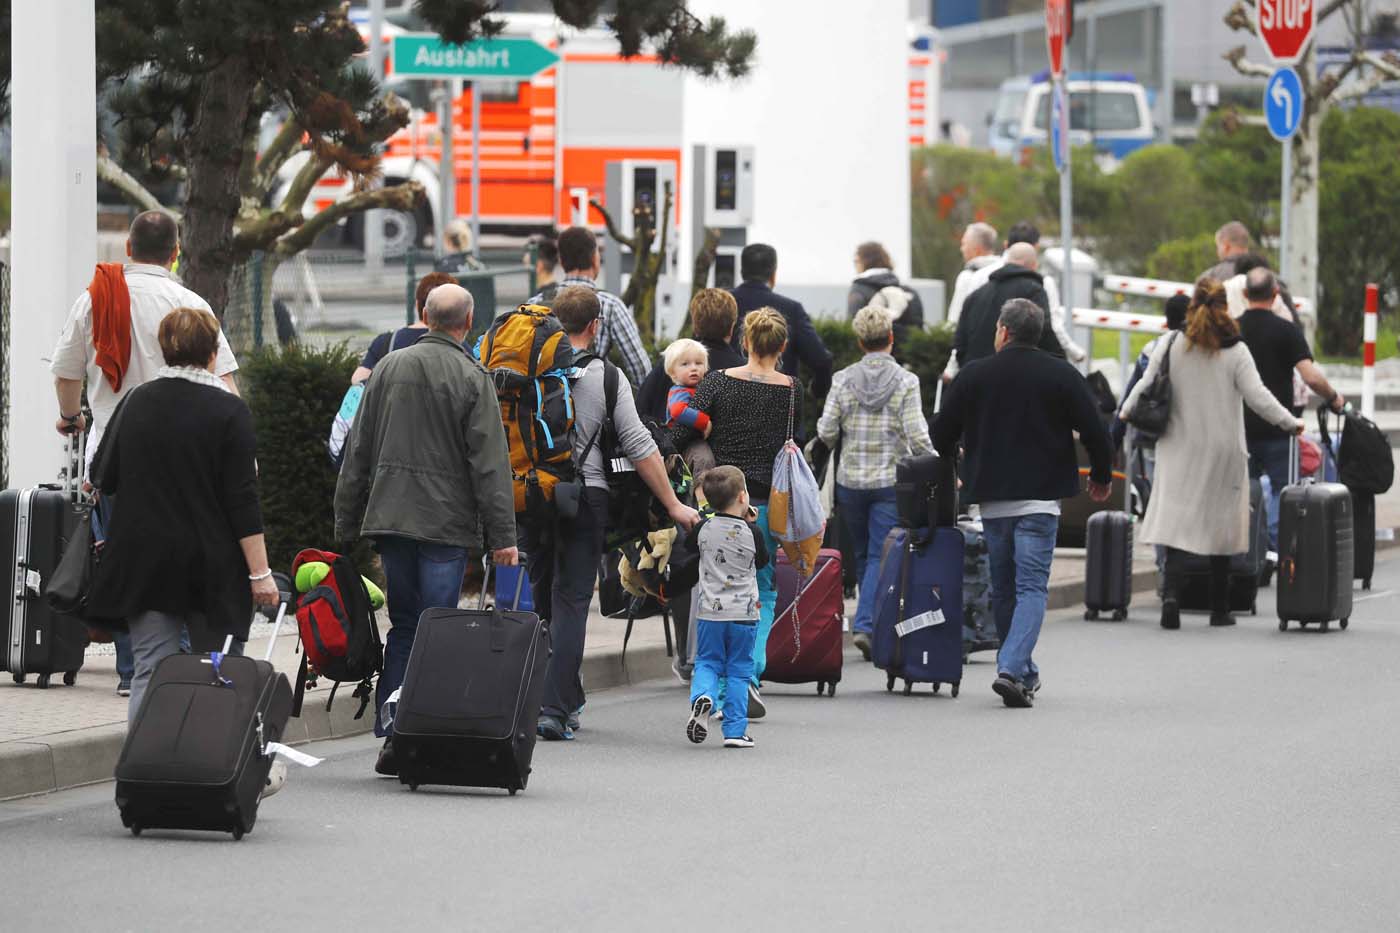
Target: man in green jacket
x: 426, y: 475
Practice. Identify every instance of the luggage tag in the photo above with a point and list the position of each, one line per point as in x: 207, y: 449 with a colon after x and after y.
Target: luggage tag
x: 923, y: 620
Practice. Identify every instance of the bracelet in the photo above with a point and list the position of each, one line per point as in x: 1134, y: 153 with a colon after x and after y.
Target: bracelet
x: 70, y: 419
x: 261, y: 576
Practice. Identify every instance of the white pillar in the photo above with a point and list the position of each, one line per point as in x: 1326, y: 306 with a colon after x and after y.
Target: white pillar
x: 53, y: 233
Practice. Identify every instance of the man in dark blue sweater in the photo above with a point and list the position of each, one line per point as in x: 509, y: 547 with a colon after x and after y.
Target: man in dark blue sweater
x: 1016, y: 412
x: 758, y: 265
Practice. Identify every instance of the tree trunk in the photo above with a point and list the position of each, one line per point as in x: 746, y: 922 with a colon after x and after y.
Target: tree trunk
x: 215, y: 157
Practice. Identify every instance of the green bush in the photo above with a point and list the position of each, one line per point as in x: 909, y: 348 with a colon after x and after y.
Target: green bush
x: 924, y: 352
x: 1156, y: 197
x: 1182, y: 259
x: 294, y: 393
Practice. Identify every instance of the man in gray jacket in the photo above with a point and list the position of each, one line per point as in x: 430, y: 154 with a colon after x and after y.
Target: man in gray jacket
x: 426, y: 475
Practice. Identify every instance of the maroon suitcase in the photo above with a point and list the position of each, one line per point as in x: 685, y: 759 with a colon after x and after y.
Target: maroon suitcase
x: 807, y: 641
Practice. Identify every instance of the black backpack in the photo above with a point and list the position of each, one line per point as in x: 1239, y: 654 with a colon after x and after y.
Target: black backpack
x: 1365, y: 464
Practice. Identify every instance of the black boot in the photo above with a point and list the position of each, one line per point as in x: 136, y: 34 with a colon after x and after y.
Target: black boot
x: 1171, y: 585
x: 1220, y: 591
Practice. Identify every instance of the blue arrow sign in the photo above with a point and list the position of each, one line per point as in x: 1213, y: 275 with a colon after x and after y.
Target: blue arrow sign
x: 1059, y: 138
x: 426, y: 56
x: 1283, y: 103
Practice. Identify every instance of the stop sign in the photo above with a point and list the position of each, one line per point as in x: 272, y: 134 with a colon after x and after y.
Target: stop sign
x: 1056, y: 32
x: 1286, y: 26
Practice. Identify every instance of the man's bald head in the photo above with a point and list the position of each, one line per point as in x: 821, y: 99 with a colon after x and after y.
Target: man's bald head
x: 1022, y: 254
x: 1260, y: 287
x: 448, y: 309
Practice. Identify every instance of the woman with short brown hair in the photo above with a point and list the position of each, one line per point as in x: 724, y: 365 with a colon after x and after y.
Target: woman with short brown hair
x: 1200, y: 492
x: 184, y: 545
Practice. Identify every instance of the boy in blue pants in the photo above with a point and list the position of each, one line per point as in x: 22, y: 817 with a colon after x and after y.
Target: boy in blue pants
x: 731, y: 552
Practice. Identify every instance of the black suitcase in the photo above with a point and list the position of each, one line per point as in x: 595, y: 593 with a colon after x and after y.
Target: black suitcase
x: 470, y: 702
x: 1194, y: 594
x: 1364, y: 544
x: 35, y: 525
x: 1315, y: 540
x: 1108, y: 569
x: 915, y: 479
x: 196, y: 754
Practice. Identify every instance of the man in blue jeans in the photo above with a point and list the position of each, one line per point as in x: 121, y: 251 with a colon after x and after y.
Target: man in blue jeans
x: 875, y: 413
x: 426, y: 476
x: 1017, y: 413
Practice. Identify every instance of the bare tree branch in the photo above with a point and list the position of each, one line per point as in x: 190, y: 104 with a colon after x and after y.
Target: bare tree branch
x: 1245, y: 67
x: 131, y: 189
x: 1383, y: 69
x: 613, y: 232
x: 284, y: 145
x: 306, y: 178
x: 1331, y: 8
x: 261, y: 229
x: 1240, y: 18
x: 403, y: 197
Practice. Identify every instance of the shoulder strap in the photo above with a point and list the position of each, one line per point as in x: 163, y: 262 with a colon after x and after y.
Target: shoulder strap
x: 610, y: 383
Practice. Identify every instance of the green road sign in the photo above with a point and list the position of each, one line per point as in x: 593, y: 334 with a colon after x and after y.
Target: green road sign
x: 427, y: 56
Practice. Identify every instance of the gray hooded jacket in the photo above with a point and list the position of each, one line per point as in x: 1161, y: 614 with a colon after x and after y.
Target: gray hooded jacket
x: 876, y: 413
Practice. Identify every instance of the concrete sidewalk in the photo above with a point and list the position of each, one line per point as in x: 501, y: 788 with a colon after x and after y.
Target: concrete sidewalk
x: 68, y: 736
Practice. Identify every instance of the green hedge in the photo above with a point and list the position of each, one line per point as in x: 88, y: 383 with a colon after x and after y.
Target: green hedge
x: 923, y: 352
x: 294, y: 393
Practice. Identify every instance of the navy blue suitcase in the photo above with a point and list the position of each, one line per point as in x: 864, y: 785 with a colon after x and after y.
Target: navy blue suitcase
x: 918, y: 610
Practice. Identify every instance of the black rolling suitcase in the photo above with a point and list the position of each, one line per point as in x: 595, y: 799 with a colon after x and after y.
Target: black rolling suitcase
x: 196, y: 756
x: 1244, y: 568
x: 1315, y: 541
x: 1108, y: 569
x: 470, y: 702
x: 35, y: 525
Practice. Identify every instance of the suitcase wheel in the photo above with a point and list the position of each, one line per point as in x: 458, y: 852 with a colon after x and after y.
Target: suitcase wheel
x: 43, y: 682
x: 1091, y: 615
x: 936, y: 686
x: 908, y: 688
x: 17, y: 678
x: 70, y: 678
x: 821, y: 688
x: 1254, y: 609
x: 1326, y: 626
x: 1343, y: 624
x: 1120, y: 615
x: 136, y: 829
x: 955, y: 689
x: 413, y: 785
x: 831, y: 689
x: 1366, y: 583
x: 889, y: 684
x: 238, y: 832
x: 513, y: 791
x: 1283, y: 625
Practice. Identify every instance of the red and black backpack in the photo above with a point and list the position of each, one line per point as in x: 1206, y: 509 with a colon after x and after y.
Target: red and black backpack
x: 339, y: 635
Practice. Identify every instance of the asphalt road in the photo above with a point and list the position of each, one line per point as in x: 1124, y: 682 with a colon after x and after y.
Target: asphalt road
x: 1201, y: 779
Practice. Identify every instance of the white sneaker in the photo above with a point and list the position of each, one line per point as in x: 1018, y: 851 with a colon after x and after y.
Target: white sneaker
x: 742, y: 741
x: 275, y: 778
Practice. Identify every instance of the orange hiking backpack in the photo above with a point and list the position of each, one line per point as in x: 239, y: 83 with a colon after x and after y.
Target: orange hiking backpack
x: 530, y: 361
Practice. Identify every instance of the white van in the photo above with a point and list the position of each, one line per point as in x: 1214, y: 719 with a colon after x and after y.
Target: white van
x: 1109, y: 111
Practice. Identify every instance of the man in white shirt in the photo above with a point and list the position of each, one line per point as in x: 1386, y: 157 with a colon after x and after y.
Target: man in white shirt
x: 153, y: 245
x: 979, y: 251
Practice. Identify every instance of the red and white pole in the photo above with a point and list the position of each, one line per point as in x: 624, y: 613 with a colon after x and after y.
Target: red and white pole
x: 1368, y: 357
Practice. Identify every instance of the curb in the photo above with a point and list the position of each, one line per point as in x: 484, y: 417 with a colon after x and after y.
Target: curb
x: 55, y: 762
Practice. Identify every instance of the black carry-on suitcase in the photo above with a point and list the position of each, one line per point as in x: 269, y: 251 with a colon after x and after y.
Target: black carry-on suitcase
x: 35, y: 525
x: 470, y: 703
x: 196, y: 756
x: 1316, y: 536
x: 1108, y: 570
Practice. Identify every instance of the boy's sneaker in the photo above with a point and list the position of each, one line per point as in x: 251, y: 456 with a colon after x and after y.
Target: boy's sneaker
x: 1011, y: 692
x: 741, y: 741
x: 572, y: 722
x: 697, y: 728
x: 862, y: 642
x: 756, y: 708
x: 554, y: 729
x: 124, y: 689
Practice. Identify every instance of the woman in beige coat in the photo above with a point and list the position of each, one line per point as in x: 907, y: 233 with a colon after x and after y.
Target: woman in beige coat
x: 1200, y: 493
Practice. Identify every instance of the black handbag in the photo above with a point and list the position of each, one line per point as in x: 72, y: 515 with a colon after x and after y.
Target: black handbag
x: 1154, y: 404
x: 71, y: 580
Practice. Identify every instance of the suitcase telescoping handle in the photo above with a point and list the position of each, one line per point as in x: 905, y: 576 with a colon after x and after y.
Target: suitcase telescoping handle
x: 271, y: 642
x: 1294, y: 458
x: 487, y: 565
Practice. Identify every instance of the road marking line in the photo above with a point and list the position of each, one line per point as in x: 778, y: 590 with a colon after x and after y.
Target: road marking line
x: 1362, y: 599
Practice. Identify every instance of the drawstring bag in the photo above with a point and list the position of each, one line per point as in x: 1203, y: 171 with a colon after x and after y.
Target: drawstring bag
x: 795, y: 513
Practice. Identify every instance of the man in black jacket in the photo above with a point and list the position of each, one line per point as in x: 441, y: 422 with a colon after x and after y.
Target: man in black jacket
x: 1017, y: 278
x: 1016, y: 413
x: 758, y: 265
